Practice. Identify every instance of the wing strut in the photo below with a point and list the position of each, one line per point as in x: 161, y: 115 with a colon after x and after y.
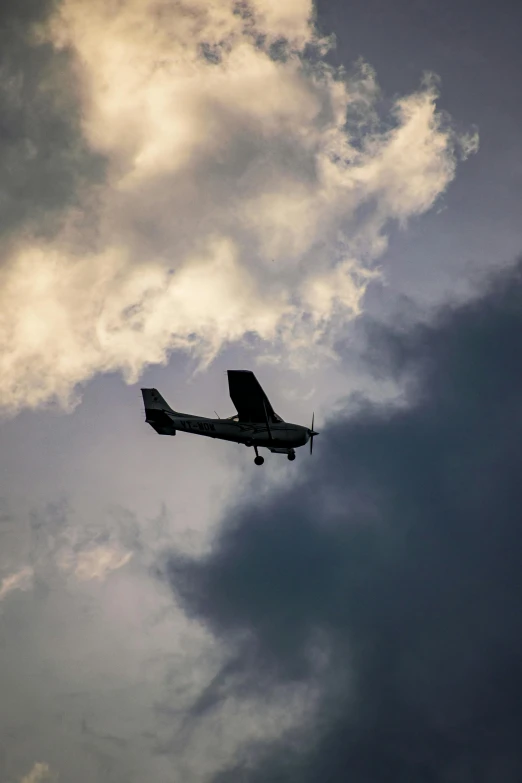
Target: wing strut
x: 266, y: 420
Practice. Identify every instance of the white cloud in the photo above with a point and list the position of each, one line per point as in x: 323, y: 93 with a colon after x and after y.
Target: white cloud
x: 233, y: 196
x: 19, y: 580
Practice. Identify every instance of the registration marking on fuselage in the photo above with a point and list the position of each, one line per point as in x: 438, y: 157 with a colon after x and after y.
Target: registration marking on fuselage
x: 201, y: 426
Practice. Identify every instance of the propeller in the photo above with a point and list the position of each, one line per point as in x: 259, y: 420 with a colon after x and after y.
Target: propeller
x: 312, y: 433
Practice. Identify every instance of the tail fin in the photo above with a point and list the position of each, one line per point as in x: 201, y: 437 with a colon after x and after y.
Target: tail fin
x: 157, y: 412
x: 153, y: 400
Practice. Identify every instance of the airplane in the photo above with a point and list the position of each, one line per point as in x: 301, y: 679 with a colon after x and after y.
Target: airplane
x: 256, y: 424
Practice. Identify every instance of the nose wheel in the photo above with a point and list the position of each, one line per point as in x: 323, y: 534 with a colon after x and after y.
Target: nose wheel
x: 258, y: 460
x: 291, y: 456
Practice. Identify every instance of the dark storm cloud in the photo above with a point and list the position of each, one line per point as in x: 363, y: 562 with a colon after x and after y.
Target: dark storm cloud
x: 43, y: 157
x: 400, y: 548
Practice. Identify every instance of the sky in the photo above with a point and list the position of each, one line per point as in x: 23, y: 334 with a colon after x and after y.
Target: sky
x: 327, y: 194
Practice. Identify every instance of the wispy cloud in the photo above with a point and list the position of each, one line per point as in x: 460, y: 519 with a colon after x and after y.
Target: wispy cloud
x: 236, y: 197
x: 93, y: 562
x: 18, y: 580
x: 40, y: 773
x: 86, y: 549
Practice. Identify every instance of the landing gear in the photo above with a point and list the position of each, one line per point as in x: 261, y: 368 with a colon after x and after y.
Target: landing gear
x: 291, y: 456
x: 258, y: 460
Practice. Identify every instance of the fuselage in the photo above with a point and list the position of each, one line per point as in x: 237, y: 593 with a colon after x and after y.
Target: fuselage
x: 278, y: 435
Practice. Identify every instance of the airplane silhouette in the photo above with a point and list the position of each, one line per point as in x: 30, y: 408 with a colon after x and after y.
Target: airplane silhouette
x: 256, y: 424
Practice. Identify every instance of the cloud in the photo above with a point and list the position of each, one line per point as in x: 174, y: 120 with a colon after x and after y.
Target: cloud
x: 18, y: 580
x: 240, y: 187
x: 39, y: 774
x: 388, y: 576
x: 87, y: 549
x: 94, y: 562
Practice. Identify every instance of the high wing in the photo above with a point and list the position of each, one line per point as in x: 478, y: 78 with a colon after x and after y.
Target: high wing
x: 249, y: 399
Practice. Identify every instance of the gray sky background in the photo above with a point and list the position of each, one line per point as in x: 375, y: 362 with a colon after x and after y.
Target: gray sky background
x: 162, y: 223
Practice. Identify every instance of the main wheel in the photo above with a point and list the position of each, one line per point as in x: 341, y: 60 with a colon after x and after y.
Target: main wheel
x: 291, y: 456
x: 259, y: 460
